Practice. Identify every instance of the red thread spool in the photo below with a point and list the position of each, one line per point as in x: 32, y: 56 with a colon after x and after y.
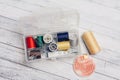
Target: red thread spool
x: 30, y: 42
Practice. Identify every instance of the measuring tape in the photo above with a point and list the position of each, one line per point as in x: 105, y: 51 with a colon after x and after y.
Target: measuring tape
x: 53, y: 47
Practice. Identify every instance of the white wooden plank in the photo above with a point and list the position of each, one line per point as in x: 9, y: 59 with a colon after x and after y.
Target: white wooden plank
x: 113, y: 33
x: 108, y: 3
x: 12, y: 12
x: 105, y: 42
x: 110, y: 48
x: 14, y: 71
x: 53, y: 66
x: 43, y: 3
x: 11, y: 38
x: 2, y: 78
x: 9, y: 24
x: 110, y: 17
x: 20, y: 5
x: 94, y: 12
x: 102, y: 67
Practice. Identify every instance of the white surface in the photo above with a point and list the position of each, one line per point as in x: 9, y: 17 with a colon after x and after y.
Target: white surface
x: 100, y: 16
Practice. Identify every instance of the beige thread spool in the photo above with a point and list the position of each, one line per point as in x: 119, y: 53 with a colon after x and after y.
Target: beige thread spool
x: 91, y: 42
x: 63, y: 46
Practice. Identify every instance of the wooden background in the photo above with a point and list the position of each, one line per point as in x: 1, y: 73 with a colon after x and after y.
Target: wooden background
x: 100, y: 16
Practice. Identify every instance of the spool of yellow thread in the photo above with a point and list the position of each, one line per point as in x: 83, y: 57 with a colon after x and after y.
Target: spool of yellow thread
x: 91, y: 42
x: 64, y: 45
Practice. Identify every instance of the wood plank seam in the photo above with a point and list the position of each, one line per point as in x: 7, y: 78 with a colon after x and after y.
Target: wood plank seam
x: 105, y: 5
x: 32, y: 68
x: 5, y: 77
x: 107, y: 75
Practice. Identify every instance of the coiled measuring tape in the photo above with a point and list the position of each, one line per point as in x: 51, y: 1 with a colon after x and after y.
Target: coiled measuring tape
x: 53, y: 47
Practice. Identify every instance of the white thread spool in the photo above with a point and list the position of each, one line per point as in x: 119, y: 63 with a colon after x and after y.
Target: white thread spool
x: 47, y: 38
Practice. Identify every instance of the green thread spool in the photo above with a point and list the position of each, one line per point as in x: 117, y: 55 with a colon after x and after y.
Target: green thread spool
x: 39, y: 41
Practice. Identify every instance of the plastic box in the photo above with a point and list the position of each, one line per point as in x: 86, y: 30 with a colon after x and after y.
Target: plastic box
x: 60, y: 24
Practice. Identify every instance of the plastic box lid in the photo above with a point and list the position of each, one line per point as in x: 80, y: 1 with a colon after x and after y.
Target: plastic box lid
x: 49, y: 20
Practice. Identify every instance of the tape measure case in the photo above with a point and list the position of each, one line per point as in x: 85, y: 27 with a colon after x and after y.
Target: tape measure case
x: 51, y: 33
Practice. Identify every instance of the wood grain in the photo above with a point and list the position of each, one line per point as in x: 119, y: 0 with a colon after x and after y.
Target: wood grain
x: 102, y: 17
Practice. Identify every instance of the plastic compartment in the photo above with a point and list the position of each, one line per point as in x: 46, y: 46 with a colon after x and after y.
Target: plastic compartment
x: 53, y: 22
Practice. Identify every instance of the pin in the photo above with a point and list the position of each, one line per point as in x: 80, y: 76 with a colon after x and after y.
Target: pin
x: 30, y: 42
x: 47, y: 38
x: 63, y: 46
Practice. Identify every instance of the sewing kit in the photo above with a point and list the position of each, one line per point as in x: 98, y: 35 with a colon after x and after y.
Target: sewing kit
x: 51, y: 34
x: 51, y: 45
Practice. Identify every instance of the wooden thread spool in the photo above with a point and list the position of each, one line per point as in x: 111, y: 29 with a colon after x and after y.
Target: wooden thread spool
x: 63, y: 46
x: 91, y: 42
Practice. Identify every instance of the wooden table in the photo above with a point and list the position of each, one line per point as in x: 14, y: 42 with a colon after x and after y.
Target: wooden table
x: 100, y: 16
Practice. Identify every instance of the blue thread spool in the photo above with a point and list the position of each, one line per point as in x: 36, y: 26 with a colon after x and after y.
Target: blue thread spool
x: 63, y: 36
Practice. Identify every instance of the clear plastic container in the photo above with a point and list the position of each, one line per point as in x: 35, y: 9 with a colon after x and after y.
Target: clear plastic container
x: 58, y: 26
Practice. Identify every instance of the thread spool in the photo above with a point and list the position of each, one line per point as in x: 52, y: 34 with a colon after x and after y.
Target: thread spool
x: 52, y: 47
x: 39, y: 41
x: 73, y: 39
x: 30, y: 42
x: 47, y: 38
x: 63, y: 46
x: 63, y: 36
x: 91, y: 42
